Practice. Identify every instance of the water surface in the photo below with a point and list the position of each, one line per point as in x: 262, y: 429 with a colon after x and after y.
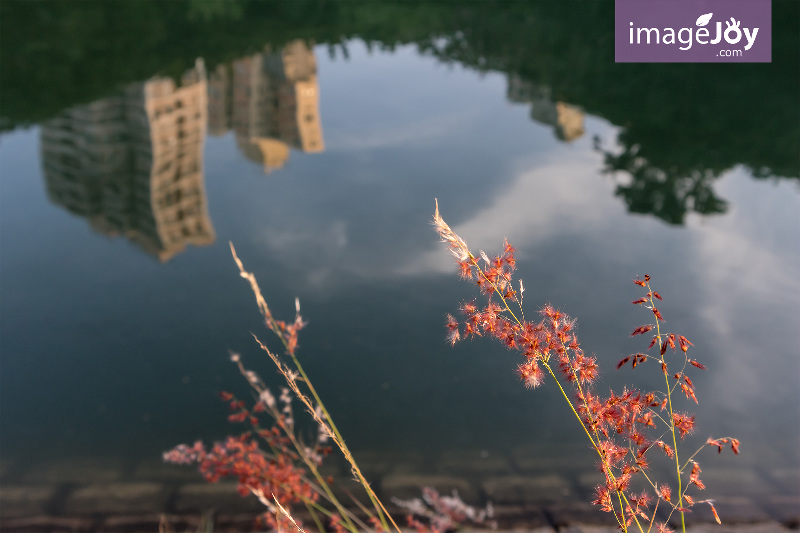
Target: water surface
x: 321, y: 162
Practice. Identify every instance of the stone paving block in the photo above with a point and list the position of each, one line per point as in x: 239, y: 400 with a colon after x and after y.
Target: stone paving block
x: 201, y: 497
x: 569, y: 461
x: 116, y: 498
x: 785, y: 509
x: 587, y: 481
x: 407, y: 486
x: 79, y: 470
x: 346, y: 487
x: 473, y: 462
x: 131, y: 523
x: 583, y: 528
x: 738, y: 482
x: 51, y: 524
x: 731, y: 509
x: 219, y: 523
x: 224, y: 523
x: 177, y: 522
x: 376, y: 464
x: 541, y: 529
x: 577, y: 512
x: 766, y: 527
x: 157, y: 470
x: 519, y: 517
x: 17, y: 501
x: 787, y: 478
x: 527, y: 489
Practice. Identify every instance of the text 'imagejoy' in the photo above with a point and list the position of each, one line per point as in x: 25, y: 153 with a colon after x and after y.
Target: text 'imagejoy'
x: 693, y: 32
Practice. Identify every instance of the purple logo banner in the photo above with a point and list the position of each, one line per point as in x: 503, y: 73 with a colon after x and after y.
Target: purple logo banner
x: 693, y: 31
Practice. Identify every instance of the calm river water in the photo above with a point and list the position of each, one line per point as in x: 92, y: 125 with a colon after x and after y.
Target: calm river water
x: 319, y: 154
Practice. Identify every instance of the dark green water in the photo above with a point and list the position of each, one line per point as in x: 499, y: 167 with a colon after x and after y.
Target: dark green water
x: 315, y: 138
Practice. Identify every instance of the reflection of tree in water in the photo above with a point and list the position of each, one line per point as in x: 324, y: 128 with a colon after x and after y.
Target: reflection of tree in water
x: 668, y: 194
x: 680, y: 126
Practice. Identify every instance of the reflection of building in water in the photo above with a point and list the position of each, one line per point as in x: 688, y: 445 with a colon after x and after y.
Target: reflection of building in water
x: 133, y: 163
x: 219, y: 101
x: 271, y: 101
x: 567, y: 119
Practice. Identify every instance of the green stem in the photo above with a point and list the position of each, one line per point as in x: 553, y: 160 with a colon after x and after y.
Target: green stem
x: 383, y: 514
x: 671, y: 412
x: 620, y: 495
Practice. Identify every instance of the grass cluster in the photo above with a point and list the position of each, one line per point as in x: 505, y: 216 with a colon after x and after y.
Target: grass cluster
x: 629, y: 431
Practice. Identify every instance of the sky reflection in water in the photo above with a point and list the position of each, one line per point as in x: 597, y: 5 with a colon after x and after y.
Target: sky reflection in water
x: 107, y: 351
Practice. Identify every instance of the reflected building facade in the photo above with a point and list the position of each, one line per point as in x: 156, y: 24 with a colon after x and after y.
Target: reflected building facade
x: 271, y: 102
x: 567, y: 119
x: 132, y: 164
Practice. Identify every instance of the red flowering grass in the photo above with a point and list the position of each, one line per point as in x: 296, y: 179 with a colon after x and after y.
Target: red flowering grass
x: 273, y: 462
x: 623, y: 428
x: 270, y: 462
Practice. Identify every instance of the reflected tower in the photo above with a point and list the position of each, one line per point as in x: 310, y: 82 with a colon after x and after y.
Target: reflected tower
x: 567, y: 119
x: 274, y: 103
x: 219, y: 101
x: 133, y: 163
